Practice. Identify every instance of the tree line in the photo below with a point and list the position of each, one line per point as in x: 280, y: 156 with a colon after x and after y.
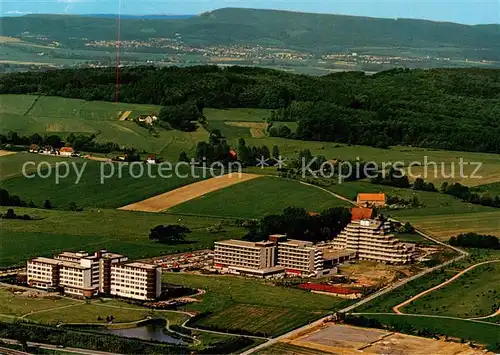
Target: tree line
x: 441, y: 108
x: 297, y: 223
x: 474, y: 240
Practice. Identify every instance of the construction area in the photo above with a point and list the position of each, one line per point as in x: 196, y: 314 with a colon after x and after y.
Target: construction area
x: 346, y: 340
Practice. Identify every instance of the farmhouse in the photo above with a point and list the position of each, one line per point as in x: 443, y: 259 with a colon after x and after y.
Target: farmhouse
x: 151, y: 160
x: 147, y: 119
x: 371, y: 200
x: 83, y: 275
x: 66, y: 151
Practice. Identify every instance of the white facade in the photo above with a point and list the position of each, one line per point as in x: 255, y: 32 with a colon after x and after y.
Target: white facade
x: 136, y: 280
x: 245, y: 254
x: 300, y: 257
x: 84, y: 275
x: 372, y: 240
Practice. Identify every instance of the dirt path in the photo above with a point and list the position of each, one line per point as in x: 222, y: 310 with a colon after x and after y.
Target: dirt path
x: 170, y: 199
x: 408, y: 301
x: 331, y: 193
x: 497, y: 313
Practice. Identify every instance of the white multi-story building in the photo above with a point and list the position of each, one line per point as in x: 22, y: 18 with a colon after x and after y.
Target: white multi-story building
x: 300, y: 257
x: 371, y: 240
x: 136, y: 280
x: 83, y: 275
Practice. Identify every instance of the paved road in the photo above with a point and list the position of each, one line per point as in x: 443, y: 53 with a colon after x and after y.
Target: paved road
x: 54, y: 347
x: 497, y: 313
x: 408, y: 301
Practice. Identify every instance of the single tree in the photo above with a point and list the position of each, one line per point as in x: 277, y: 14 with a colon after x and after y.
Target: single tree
x: 169, y: 234
x: 47, y: 205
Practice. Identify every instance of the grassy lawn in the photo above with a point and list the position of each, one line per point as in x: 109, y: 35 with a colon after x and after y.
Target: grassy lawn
x: 117, y: 191
x: 491, y: 189
x: 474, y: 294
x: 15, y: 304
x: 469, y: 331
x: 121, y: 231
x: 11, y: 165
x: 90, y: 313
x: 240, y: 303
x: 259, y: 197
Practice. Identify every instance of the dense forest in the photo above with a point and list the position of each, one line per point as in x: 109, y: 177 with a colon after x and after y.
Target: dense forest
x: 315, y: 33
x: 455, y: 109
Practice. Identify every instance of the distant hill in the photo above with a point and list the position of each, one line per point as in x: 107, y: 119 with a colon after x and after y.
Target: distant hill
x: 144, y: 17
x: 305, y: 31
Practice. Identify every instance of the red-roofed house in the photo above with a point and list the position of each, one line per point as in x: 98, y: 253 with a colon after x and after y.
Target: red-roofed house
x: 358, y: 213
x: 66, y: 151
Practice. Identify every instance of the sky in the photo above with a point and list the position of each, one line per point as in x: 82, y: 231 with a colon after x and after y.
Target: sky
x: 461, y: 11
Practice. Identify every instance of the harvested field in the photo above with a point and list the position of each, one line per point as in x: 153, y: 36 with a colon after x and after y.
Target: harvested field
x: 342, y: 339
x: 5, y: 152
x: 172, y: 198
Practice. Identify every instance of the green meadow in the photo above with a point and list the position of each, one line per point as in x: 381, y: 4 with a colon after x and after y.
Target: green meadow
x: 259, y: 197
x: 474, y: 294
x: 29, y: 114
x: 120, y: 189
x: 121, y: 231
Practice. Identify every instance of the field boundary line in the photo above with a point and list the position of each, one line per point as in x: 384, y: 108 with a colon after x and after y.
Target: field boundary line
x: 429, y: 290
x: 340, y: 197
x: 32, y: 105
x: 163, y: 202
x: 424, y: 315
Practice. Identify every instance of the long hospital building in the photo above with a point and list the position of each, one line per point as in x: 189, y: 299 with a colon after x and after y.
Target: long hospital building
x: 276, y: 257
x: 365, y: 238
x: 83, y: 275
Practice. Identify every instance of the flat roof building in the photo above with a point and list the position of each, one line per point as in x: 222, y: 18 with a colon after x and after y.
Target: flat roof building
x: 300, y: 257
x: 83, y: 275
x: 248, y: 255
x: 136, y: 280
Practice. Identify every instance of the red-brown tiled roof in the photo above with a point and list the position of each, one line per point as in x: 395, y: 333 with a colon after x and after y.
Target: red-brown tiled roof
x: 371, y: 197
x: 358, y: 213
x: 66, y: 149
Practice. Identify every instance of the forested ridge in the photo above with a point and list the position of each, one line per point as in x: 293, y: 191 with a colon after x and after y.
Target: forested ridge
x: 455, y: 109
x: 316, y: 33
